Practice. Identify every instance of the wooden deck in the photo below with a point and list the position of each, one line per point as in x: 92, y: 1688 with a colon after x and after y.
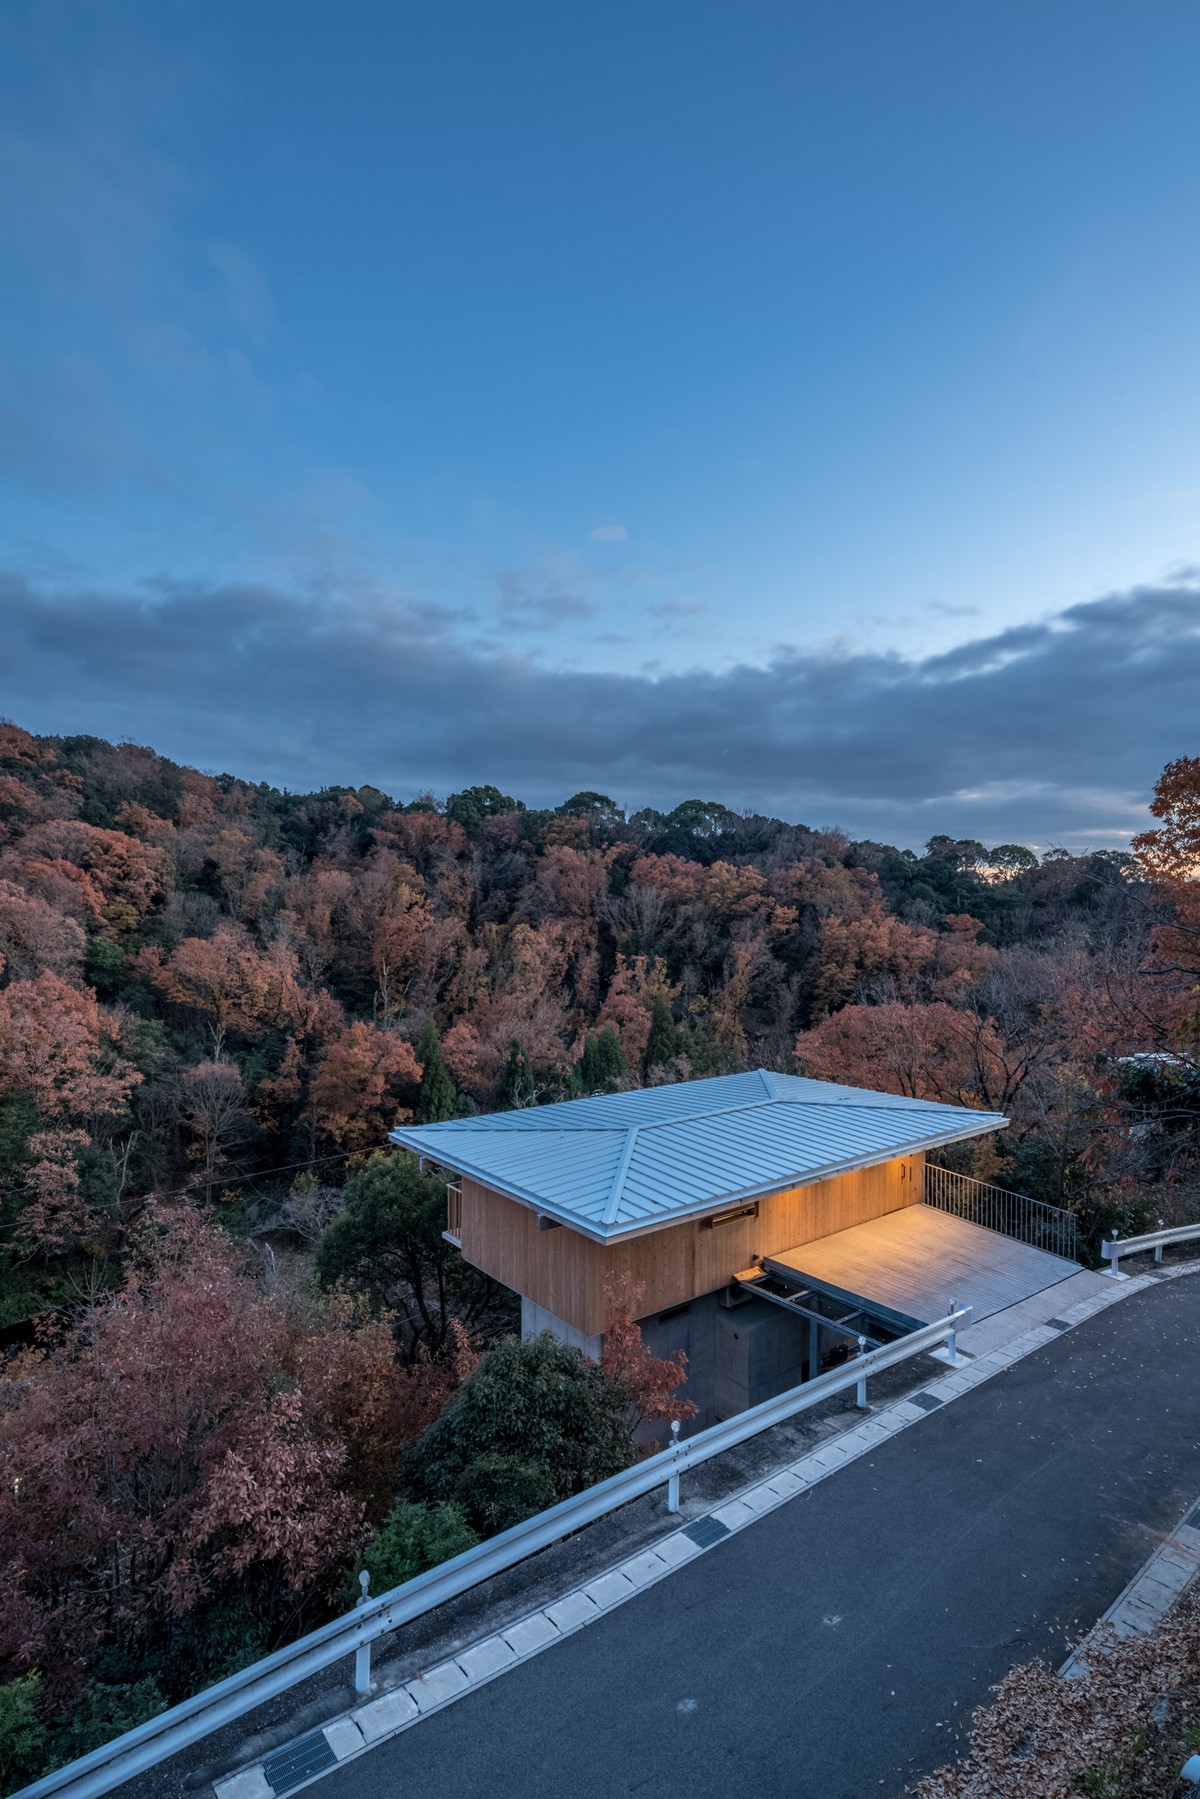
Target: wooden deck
x: 917, y: 1260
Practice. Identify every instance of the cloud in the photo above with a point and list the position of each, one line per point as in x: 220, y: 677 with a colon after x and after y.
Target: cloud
x: 1048, y: 732
x: 679, y: 606
x: 943, y: 609
x: 608, y: 534
x: 535, y: 598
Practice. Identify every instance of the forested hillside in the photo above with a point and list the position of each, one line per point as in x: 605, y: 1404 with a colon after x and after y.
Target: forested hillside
x: 210, y: 986
x: 228, y: 1326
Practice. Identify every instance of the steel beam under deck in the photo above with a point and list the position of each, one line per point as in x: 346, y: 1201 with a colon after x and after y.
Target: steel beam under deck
x: 770, y: 1286
x: 848, y: 1315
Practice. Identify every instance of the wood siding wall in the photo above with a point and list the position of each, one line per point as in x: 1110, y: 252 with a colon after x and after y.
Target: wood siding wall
x: 567, y: 1273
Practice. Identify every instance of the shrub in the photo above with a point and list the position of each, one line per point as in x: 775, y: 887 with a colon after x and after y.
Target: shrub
x: 224, y: 1633
x: 22, y: 1733
x: 414, y: 1536
x: 500, y: 1490
x: 534, y: 1423
x: 103, y: 1712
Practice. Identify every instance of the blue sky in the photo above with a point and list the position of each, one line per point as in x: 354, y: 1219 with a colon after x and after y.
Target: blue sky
x: 834, y: 353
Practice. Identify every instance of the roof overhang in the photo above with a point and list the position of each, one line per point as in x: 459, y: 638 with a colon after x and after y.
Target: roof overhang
x: 809, y: 1177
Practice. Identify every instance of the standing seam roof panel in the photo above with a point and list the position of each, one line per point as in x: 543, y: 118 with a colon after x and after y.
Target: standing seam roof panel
x: 620, y: 1161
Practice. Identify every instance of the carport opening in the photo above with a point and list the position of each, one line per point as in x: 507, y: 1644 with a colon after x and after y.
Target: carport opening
x: 839, y: 1323
x: 893, y: 1274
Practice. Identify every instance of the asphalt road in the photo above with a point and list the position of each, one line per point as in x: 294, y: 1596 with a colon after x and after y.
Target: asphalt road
x: 835, y: 1648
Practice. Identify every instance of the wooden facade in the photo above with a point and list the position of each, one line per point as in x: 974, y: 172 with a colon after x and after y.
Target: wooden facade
x: 566, y: 1273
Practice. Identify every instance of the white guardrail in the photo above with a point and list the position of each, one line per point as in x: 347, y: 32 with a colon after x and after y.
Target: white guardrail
x: 174, y: 1730
x: 1116, y: 1247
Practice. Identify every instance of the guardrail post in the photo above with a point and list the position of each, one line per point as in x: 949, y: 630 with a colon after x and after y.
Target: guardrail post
x: 1158, y: 1248
x: 673, y: 1482
x: 1112, y: 1251
x: 362, y: 1656
x: 947, y: 1350
x: 860, y: 1391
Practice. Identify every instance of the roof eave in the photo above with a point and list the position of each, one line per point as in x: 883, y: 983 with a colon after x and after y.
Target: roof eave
x: 599, y: 1234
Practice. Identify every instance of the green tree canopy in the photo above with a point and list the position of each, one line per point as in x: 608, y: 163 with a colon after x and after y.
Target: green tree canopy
x: 603, y: 1063
x: 470, y: 807
x: 438, y: 1096
x: 517, y: 1085
x: 662, y: 1045
x: 534, y: 1423
x: 1013, y: 857
x: 590, y: 804
x: 388, y: 1242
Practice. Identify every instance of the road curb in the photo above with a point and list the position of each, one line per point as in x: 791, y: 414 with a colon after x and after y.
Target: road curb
x: 1157, y: 1587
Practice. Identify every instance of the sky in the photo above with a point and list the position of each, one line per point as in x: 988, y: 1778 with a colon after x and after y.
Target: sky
x: 793, y: 405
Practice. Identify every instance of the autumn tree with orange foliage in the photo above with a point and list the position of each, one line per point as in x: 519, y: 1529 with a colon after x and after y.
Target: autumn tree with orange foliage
x: 57, y: 1054
x: 363, y: 1076
x: 925, y: 1051
x: 1170, y: 856
x: 158, y: 1453
x: 650, y: 1383
x: 228, y: 983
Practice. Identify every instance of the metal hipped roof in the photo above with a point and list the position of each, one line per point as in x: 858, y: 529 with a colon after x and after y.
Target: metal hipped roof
x: 624, y: 1163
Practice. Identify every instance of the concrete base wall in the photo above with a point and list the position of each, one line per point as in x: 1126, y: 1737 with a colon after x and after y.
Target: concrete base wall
x: 737, y: 1355
x: 535, y: 1319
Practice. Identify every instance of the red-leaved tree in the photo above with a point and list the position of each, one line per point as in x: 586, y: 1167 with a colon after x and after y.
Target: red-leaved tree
x: 650, y: 1383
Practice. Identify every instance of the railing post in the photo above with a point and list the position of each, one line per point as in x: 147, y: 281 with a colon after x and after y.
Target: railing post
x: 362, y: 1655
x: 1158, y: 1248
x: 673, y: 1482
x: 860, y: 1391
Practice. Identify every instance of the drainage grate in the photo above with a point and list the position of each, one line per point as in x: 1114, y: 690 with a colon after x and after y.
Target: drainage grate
x: 706, y: 1531
x: 927, y: 1401
x: 291, y: 1767
x: 1058, y: 1324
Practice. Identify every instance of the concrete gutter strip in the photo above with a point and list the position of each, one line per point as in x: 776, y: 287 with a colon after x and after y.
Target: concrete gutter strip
x: 1157, y: 1587
x: 410, y: 1699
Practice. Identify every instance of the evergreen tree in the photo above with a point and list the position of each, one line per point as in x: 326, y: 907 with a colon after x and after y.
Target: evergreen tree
x: 534, y: 1423
x: 662, y: 1045
x: 438, y: 1096
x: 603, y: 1063
x: 516, y: 1084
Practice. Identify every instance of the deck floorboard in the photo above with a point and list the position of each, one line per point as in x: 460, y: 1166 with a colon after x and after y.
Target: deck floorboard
x: 918, y: 1259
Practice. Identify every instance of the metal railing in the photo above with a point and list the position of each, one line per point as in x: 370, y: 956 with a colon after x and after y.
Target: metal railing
x: 1116, y: 1246
x: 453, y: 1230
x: 159, y: 1738
x: 996, y: 1209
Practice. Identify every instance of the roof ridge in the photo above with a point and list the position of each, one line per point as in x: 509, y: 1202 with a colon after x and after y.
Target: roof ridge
x: 747, y: 1105
x: 613, y: 1203
x: 490, y: 1121
x: 769, y: 1083
x: 869, y: 1093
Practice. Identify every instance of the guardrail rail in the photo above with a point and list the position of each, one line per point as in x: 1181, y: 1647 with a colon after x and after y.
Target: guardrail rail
x: 162, y: 1737
x: 1117, y: 1246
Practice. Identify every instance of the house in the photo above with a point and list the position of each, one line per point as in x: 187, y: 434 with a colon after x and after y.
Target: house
x: 769, y: 1221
